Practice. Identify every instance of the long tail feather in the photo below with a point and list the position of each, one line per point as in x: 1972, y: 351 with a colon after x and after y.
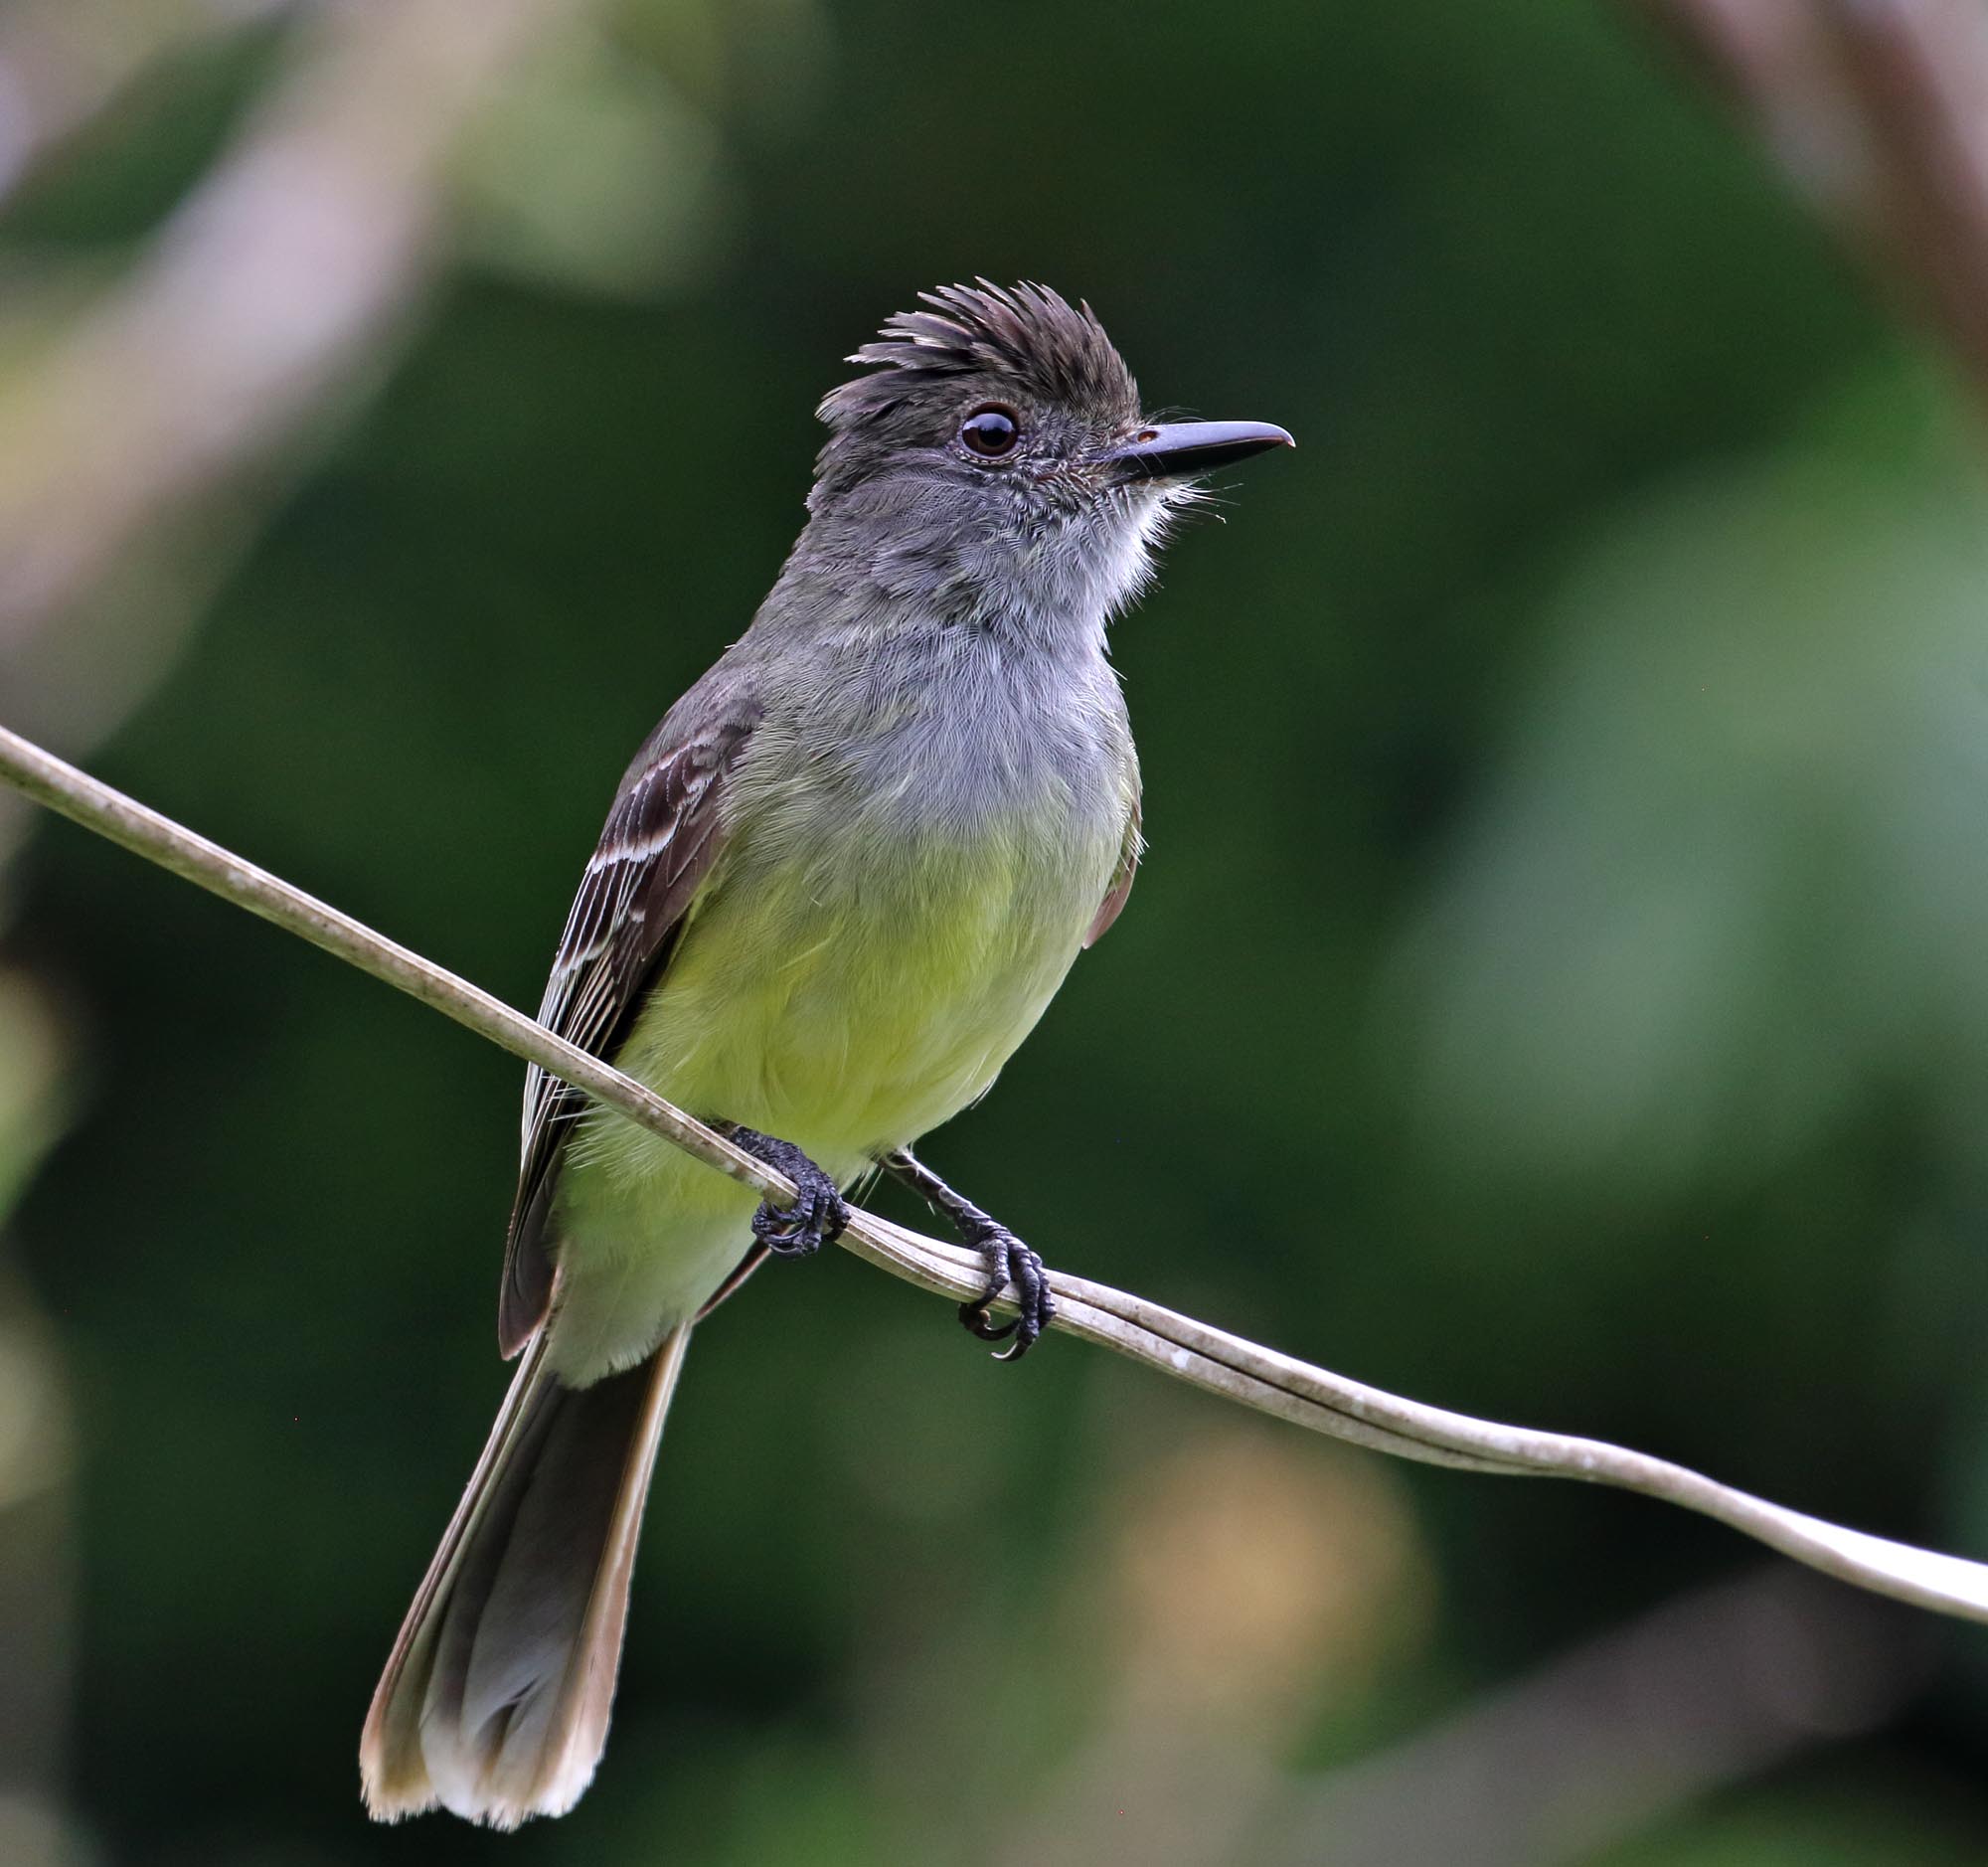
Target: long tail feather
x: 495, y: 1700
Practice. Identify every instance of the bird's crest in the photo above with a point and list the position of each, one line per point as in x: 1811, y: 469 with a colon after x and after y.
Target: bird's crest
x: 1026, y: 334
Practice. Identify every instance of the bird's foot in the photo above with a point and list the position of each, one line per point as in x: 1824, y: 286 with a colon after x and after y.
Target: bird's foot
x: 816, y: 1217
x: 1009, y: 1261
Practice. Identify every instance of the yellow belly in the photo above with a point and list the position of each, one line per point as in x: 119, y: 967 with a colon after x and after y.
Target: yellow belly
x: 845, y: 1019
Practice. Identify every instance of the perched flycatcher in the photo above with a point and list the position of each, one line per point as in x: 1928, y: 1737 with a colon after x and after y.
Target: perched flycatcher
x: 836, y: 890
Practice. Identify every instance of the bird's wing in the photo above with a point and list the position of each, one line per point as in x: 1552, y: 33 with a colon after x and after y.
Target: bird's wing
x: 1113, y: 902
x: 662, y: 836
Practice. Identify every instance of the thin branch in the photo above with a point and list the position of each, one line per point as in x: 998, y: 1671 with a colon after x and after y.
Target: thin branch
x: 285, y: 278
x: 64, y: 61
x: 1190, y: 1351
x: 270, y: 288
x: 1876, y: 111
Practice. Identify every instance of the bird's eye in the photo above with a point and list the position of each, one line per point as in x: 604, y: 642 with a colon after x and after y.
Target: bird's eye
x: 991, y: 432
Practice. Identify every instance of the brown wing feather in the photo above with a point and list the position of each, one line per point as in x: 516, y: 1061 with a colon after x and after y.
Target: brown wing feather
x: 1109, y: 909
x: 661, y: 838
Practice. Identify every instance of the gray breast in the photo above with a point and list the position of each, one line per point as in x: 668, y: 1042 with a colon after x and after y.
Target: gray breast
x: 950, y: 736
x: 991, y: 735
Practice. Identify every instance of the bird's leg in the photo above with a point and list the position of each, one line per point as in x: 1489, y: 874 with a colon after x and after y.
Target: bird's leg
x: 816, y: 1217
x: 1007, y: 1260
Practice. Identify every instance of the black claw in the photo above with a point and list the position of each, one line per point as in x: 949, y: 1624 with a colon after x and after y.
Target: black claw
x: 1009, y: 1261
x: 819, y: 1214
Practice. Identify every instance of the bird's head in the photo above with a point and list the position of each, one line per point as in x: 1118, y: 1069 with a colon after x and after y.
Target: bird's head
x: 994, y: 464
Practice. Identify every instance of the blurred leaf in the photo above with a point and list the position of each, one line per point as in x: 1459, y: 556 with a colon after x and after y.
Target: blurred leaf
x: 33, y: 1105
x: 1727, y: 883
x: 597, y: 174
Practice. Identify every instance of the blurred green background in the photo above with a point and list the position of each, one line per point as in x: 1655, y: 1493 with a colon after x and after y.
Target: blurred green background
x: 1557, y: 987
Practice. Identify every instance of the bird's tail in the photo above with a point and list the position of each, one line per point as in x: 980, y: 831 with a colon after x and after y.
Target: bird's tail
x: 495, y: 1701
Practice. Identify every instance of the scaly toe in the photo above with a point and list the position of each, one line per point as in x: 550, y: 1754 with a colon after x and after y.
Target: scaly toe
x: 817, y: 1216
x: 1009, y: 1261
x: 1034, y: 1305
x: 784, y: 1233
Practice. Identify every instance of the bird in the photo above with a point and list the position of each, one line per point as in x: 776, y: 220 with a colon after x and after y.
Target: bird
x: 837, y: 887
